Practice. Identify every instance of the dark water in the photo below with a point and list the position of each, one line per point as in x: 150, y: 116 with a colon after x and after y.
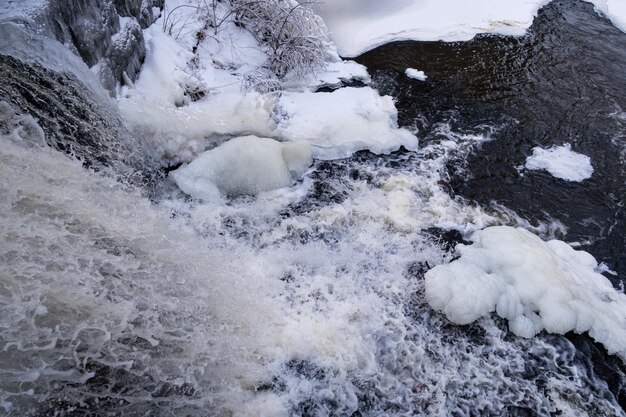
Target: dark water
x: 564, y: 82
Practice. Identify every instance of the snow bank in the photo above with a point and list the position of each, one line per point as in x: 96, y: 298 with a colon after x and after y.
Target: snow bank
x: 357, y: 26
x: 340, y: 123
x: 161, y: 105
x: 535, y: 285
x: 615, y: 10
x: 561, y: 162
x: 415, y: 74
x: 244, y: 165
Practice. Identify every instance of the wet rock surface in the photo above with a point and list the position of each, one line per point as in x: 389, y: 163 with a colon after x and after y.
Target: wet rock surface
x: 72, y: 119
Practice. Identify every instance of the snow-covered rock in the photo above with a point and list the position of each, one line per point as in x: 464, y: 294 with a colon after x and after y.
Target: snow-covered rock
x: 535, y: 285
x: 244, y: 165
x: 336, y: 124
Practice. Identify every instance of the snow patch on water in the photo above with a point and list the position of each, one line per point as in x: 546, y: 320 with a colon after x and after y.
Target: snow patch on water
x: 561, y: 162
x: 339, y: 73
x: 535, y: 285
x: 415, y: 74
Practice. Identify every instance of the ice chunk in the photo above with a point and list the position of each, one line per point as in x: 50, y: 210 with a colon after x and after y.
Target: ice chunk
x: 244, y: 165
x: 561, y: 162
x: 415, y: 74
x: 535, y: 285
x: 340, y: 123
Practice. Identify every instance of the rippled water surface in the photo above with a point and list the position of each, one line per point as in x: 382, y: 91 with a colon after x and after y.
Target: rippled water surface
x: 562, y: 83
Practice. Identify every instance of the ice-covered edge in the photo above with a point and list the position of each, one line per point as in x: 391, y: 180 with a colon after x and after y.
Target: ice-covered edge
x: 535, y: 285
x: 357, y: 28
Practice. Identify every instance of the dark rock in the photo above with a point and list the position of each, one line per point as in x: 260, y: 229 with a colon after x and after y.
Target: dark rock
x: 92, y: 30
x: 139, y: 9
x: 447, y: 239
x: 88, y: 26
x: 127, y: 51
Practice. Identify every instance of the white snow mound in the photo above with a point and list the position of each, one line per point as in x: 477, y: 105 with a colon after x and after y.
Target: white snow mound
x: 342, y: 122
x: 415, y: 74
x: 561, y: 162
x: 535, y: 285
x: 244, y: 165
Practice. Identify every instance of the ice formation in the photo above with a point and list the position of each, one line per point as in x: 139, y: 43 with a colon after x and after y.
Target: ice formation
x: 244, y: 165
x: 337, y: 124
x: 415, y: 74
x: 535, y: 285
x: 358, y: 26
x: 340, y: 123
x: 561, y: 162
x: 160, y: 102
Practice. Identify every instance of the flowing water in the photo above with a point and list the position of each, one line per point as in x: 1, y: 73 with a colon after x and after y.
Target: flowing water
x: 562, y: 83
x: 118, y: 298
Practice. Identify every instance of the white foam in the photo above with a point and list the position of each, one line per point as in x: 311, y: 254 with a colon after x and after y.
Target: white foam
x: 415, y: 74
x: 535, y: 285
x: 358, y: 26
x: 238, y: 300
x: 561, y: 162
x: 244, y: 165
x: 340, y: 123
